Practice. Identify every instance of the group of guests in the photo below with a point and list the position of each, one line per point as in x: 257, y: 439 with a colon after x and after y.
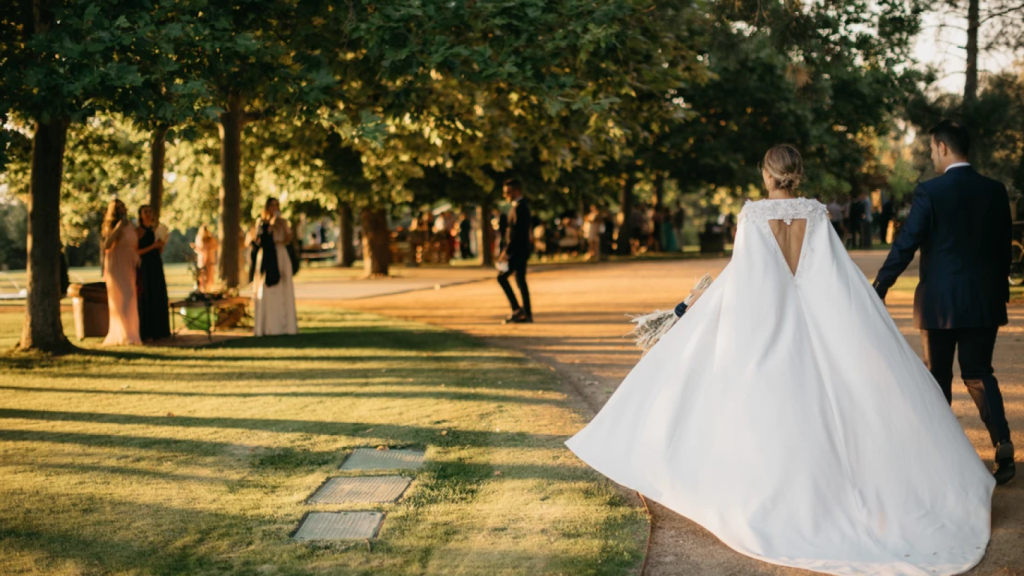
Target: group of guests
x: 860, y: 219
x: 656, y: 228
x: 598, y: 231
x: 452, y: 233
x: 137, y: 288
x: 134, y: 275
x: 570, y: 235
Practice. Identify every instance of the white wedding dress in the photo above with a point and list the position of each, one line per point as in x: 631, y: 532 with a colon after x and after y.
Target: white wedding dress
x: 786, y: 413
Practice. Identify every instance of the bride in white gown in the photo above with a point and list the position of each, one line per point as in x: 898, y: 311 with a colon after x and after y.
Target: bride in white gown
x: 786, y: 413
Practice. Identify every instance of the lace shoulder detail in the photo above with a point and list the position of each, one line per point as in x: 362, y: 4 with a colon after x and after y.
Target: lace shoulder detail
x: 785, y: 210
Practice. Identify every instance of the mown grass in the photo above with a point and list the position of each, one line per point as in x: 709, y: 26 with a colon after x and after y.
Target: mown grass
x: 172, y: 461
x: 179, y: 277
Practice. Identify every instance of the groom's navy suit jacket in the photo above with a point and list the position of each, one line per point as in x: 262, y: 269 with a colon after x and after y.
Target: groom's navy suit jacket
x: 961, y: 222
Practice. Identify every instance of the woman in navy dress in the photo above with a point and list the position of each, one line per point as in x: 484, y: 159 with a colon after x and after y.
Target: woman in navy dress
x: 152, y: 286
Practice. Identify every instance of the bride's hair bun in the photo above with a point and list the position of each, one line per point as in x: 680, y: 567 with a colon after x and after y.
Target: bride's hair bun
x: 785, y: 166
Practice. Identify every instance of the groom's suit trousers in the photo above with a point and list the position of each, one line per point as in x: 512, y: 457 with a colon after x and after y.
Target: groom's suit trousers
x: 975, y: 355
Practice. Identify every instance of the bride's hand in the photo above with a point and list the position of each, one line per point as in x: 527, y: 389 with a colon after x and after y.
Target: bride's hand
x: 695, y: 295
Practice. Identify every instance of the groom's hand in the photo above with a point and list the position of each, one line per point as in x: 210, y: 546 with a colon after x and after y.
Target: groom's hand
x: 880, y: 290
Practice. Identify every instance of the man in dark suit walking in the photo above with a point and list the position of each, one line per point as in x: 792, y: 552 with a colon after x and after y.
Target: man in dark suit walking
x: 517, y: 252
x: 961, y: 222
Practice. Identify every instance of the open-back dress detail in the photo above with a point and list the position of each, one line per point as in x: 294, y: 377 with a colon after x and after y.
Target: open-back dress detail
x: 787, y: 414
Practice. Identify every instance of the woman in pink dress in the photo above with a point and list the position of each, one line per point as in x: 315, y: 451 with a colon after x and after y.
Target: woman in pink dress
x: 207, y: 247
x: 120, y: 259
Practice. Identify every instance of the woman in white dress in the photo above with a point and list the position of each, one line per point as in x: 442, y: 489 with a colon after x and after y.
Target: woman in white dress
x: 786, y: 413
x: 273, y: 291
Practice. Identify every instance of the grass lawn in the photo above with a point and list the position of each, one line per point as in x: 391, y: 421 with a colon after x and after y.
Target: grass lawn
x: 179, y: 279
x: 174, y: 461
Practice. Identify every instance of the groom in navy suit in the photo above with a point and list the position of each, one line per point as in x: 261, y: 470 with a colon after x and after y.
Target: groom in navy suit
x: 961, y: 222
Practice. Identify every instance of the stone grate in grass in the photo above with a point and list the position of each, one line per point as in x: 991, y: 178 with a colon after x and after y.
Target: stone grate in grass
x: 370, y: 459
x: 339, y: 526
x: 365, y: 489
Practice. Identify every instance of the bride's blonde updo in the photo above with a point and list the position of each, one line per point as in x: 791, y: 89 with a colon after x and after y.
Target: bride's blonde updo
x: 784, y: 164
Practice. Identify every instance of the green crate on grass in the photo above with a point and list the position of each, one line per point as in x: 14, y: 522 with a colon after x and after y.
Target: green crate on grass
x: 198, y: 317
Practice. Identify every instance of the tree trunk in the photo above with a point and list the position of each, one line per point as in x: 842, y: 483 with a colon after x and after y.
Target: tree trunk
x: 659, y: 211
x: 346, y: 247
x: 971, y: 81
x: 157, y: 152
x: 376, y: 242
x: 622, y: 242
x: 1018, y: 182
x: 486, y: 233
x: 43, y: 330
x: 231, y: 123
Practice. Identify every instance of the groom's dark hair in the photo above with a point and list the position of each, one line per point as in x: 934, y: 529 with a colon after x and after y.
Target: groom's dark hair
x: 953, y: 135
x: 514, y: 184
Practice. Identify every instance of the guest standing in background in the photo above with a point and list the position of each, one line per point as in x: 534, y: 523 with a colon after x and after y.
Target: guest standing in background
x: 273, y: 291
x: 207, y: 247
x: 540, y: 238
x: 679, y: 223
x: 647, y: 239
x: 517, y: 253
x: 835, y: 216
x: 669, y: 242
x: 444, y: 228
x: 120, y: 259
x: 569, y: 242
x: 419, y: 237
x: 152, y: 286
x: 592, y: 231
x: 607, y: 232
x: 865, y: 225
x: 855, y: 223
x: 885, y: 217
x: 465, y: 236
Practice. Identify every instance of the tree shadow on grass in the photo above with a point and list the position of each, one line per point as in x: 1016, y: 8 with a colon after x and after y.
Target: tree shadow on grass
x: 432, y: 391
x: 378, y: 338
x: 127, y: 471
x: 105, y: 534
x: 398, y: 435
x: 364, y: 337
x: 456, y: 376
x: 181, y: 543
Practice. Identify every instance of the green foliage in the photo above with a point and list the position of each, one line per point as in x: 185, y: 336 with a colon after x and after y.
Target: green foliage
x: 75, y: 63
x: 13, y: 233
x: 999, y: 130
x: 412, y: 102
x: 996, y: 126
x: 822, y: 76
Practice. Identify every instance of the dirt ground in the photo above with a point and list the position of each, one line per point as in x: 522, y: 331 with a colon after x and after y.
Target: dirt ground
x: 580, y: 323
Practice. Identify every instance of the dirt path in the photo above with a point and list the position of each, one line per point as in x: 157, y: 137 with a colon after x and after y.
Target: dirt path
x: 580, y: 322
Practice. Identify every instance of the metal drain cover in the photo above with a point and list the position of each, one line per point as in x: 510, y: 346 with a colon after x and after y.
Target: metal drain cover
x: 339, y: 526
x: 361, y: 490
x: 370, y: 459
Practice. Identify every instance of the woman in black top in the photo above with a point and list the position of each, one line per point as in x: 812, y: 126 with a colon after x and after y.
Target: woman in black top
x: 152, y: 286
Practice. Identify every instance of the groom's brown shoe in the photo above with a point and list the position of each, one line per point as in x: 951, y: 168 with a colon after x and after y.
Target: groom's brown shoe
x: 1005, y: 468
x: 518, y: 317
x: 519, y: 313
